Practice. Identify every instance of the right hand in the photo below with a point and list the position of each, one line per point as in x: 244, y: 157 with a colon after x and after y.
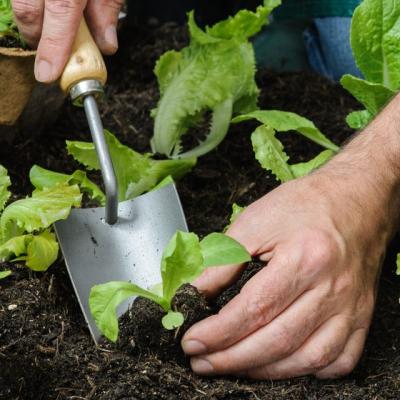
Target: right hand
x: 51, y: 26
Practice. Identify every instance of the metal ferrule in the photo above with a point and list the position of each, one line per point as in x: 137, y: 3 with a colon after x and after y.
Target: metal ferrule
x: 85, y: 88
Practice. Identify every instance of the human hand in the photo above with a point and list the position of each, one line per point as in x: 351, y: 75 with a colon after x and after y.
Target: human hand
x: 309, y: 310
x: 51, y: 26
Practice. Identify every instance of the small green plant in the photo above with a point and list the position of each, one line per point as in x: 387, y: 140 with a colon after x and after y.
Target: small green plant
x: 25, y: 225
x: 136, y: 173
x: 375, y: 40
x: 184, y: 259
x: 8, y: 28
x: 269, y: 149
x: 215, y: 73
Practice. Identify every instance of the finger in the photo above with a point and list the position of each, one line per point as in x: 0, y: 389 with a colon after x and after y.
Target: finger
x: 273, y: 342
x: 246, y: 232
x: 60, y: 24
x: 348, y: 359
x: 263, y: 297
x: 28, y: 15
x: 102, y: 17
x: 318, y: 351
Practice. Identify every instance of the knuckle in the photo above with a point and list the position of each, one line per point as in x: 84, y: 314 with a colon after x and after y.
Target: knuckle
x: 26, y: 12
x: 256, y: 310
x: 319, y: 358
x: 321, y: 249
x: 51, y: 42
x: 62, y: 7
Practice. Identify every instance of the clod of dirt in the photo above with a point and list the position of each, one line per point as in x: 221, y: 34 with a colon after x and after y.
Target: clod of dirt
x: 141, y: 330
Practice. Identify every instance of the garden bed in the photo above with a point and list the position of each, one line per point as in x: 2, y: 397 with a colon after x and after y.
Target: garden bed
x: 46, y: 351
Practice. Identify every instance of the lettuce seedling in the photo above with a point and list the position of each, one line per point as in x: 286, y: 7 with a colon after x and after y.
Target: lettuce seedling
x: 375, y: 40
x: 8, y: 27
x: 183, y: 260
x: 25, y: 224
x: 215, y: 73
x: 269, y: 150
x: 136, y: 173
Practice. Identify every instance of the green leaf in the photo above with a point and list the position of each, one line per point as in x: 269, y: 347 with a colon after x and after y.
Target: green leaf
x: 303, y: 169
x: 104, y: 300
x: 38, y: 251
x: 4, y: 274
x: 42, y: 178
x: 136, y: 173
x: 282, y: 121
x: 218, y: 249
x: 270, y: 153
x: 244, y: 24
x: 5, y: 183
x: 39, y: 211
x: 375, y: 40
x: 15, y: 246
x: 173, y: 320
x: 359, y: 119
x: 42, y: 252
x: 182, y: 262
x: 373, y: 96
x: 236, y: 211
x: 398, y: 264
x: 215, y: 74
x: 165, y: 182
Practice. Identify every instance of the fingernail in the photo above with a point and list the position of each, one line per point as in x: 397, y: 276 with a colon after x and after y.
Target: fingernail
x: 193, y: 347
x: 43, y: 71
x: 110, y: 37
x: 201, y: 366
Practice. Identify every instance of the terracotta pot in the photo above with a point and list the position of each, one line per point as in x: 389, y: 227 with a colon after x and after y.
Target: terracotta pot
x: 26, y: 107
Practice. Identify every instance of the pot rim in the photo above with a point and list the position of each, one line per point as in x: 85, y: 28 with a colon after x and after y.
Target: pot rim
x: 16, y: 52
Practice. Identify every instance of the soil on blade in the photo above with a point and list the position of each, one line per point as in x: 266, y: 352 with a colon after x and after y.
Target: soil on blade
x: 46, y: 351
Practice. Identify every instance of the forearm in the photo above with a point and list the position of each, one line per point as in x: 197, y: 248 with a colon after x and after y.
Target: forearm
x: 368, y: 169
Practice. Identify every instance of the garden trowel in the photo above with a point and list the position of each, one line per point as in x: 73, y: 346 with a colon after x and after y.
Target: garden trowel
x: 121, y: 241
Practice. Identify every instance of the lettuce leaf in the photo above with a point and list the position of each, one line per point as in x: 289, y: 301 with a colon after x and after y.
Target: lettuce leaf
x: 303, y: 169
x: 39, y: 211
x: 215, y: 73
x: 4, y: 274
x: 359, y: 119
x: 270, y: 153
x: 5, y: 183
x: 38, y: 251
x: 42, y: 178
x: 375, y: 40
x: 136, y: 173
x: 105, y: 298
x: 269, y: 150
x: 373, y: 96
x: 283, y: 121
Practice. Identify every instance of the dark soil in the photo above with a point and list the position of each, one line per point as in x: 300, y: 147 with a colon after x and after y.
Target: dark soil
x: 10, y: 42
x: 46, y: 351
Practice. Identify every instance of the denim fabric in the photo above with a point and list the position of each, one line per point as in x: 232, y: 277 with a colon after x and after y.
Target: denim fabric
x: 328, y: 47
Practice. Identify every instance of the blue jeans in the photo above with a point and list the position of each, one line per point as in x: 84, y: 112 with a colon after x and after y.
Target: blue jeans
x: 328, y: 47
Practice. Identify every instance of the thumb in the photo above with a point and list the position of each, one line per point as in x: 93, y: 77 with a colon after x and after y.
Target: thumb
x: 102, y: 17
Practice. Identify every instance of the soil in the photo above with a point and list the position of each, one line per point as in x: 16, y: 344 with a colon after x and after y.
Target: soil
x: 46, y: 351
x: 10, y: 42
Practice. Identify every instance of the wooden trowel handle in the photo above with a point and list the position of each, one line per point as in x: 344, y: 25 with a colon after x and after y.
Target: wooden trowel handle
x: 86, y: 61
